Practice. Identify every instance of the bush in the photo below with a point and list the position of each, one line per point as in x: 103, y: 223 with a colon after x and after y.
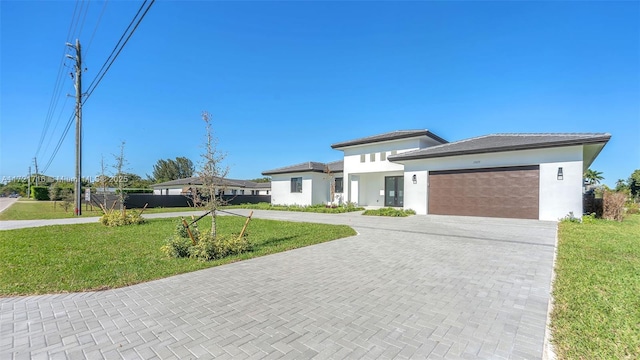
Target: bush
x: 613, y: 205
x: 211, y: 248
x: 589, y: 219
x: 320, y: 208
x: 206, y: 247
x: 121, y: 218
x: 632, y: 208
x: 570, y: 218
x: 388, y: 211
x: 40, y: 192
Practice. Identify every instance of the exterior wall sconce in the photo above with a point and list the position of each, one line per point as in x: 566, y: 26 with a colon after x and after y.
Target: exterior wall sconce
x: 414, y: 178
x: 560, y: 174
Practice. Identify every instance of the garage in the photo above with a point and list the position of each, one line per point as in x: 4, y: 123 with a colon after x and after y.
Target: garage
x: 507, y: 192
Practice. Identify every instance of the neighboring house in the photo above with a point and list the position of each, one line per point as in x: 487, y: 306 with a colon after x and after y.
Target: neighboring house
x: 231, y: 187
x: 533, y: 176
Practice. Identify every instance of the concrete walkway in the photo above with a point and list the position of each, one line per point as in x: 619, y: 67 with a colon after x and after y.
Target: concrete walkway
x: 418, y: 287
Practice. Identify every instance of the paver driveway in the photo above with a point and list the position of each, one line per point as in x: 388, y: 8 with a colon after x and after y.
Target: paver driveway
x: 418, y: 287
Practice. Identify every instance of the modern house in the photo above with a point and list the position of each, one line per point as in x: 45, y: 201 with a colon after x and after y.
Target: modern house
x: 229, y: 186
x: 532, y: 176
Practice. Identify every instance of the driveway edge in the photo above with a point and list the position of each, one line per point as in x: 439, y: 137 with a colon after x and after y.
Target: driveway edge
x: 548, y: 352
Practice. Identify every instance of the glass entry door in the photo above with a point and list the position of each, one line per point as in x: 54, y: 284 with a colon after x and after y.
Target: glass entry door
x: 394, y: 191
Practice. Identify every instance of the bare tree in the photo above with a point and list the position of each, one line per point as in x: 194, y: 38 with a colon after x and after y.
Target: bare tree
x: 120, y: 178
x: 332, y: 183
x: 103, y: 182
x: 213, y: 172
x: 54, y: 193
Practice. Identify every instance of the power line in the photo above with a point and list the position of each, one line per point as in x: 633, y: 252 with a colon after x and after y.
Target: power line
x: 60, y: 141
x: 58, y: 85
x: 105, y: 67
x: 117, y: 49
x: 55, y: 127
x: 104, y: 7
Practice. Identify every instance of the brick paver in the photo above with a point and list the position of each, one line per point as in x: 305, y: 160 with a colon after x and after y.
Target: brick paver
x: 418, y: 287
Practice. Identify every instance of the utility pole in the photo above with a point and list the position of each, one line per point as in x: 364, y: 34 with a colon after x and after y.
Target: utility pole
x: 29, y: 182
x: 35, y: 160
x: 78, y: 86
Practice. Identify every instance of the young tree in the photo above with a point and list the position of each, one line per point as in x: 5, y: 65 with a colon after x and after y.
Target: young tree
x: 593, y: 177
x: 332, y: 183
x: 67, y: 199
x: 54, y: 193
x: 212, y: 172
x: 103, y: 181
x: 120, y: 178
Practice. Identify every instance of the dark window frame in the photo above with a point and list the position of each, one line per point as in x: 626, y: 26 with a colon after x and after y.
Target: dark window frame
x: 339, y: 185
x: 296, y: 184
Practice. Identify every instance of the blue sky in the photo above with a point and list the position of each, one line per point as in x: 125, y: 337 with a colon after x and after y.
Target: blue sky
x: 285, y: 80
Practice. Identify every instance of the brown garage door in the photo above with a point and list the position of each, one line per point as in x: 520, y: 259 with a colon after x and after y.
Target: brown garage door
x: 510, y: 192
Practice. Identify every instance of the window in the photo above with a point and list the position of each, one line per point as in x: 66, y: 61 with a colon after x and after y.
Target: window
x: 296, y: 184
x: 372, y: 157
x: 362, y: 157
x: 234, y: 192
x: 338, y: 185
x: 241, y: 192
x: 383, y: 156
x: 394, y: 152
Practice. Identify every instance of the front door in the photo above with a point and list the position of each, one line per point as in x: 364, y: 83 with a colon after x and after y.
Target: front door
x: 394, y: 191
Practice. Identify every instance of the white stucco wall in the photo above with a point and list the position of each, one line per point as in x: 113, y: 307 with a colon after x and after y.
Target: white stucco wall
x: 557, y: 197
x: 315, y: 189
x: 360, y: 191
x: 320, y: 188
x: 352, y: 155
x: 281, y: 190
x: 416, y: 194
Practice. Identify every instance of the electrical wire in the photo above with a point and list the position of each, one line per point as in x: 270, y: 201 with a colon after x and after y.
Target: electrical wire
x: 104, y: 7
x: 58, y: 85
x: 105, y: 67
x: 116, y: 50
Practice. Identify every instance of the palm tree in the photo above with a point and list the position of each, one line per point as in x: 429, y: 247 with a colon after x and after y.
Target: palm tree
x: 593, y: 177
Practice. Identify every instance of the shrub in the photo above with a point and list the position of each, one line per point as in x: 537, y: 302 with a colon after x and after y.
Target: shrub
x: 570, y: 218
x: 121, y: 218
x: 40, y: 192
x: 613, y: 205
x: 388, y: 211
x: 632, y: 208
x: 211, y: 248
x: 206, y: 247
x: 320, y: 208
x: 589, y: 219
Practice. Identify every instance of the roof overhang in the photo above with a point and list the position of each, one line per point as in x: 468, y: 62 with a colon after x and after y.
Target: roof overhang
x: 595, y: 143
x: 389, y: 137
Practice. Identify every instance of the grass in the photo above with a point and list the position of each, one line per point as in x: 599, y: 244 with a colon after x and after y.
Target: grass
x: 41, y: 210
x: 71, y: 258
x: 597, y: 290
x: 388, y: 211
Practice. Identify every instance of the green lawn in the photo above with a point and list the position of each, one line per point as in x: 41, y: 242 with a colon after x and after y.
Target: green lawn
x: 597, y: 290
x: 40, y: 210
x: 37, y: 210
x: 82, y: 257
